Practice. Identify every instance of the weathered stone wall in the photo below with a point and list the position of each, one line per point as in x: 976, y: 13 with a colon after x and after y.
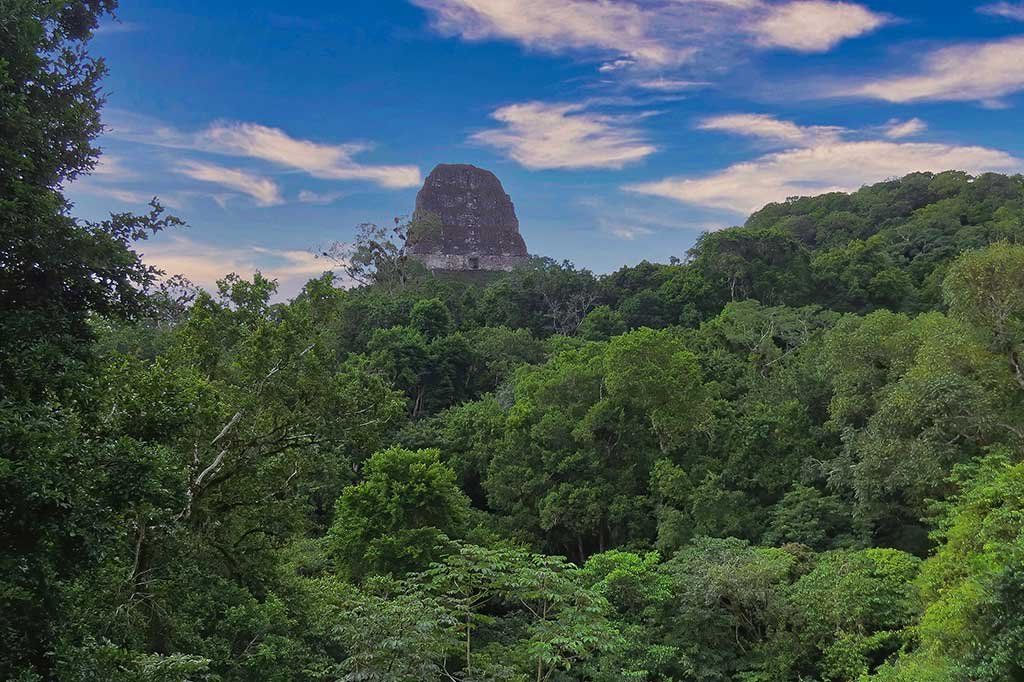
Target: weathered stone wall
x: 457, y: 261
x: 471, y: 222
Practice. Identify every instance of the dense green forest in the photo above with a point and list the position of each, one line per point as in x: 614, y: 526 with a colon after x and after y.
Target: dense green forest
x: 795, y: 453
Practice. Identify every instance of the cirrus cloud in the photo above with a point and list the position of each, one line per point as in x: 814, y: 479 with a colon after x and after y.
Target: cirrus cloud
x: 560, y: 25
x: 1007, y: 10
x: 630, y: 232
x: 256, y: 142
x: 662, y: 84
x: 654, y: 33
x: 896, y: 129
x: 307, y: 196
x: 325, y: 161
x: 770, y: 129
x: 265, y: 191
x: 540, y: 135
x: 963, y: 73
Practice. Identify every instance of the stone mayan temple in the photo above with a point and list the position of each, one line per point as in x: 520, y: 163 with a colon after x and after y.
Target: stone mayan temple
x: 464, y: 222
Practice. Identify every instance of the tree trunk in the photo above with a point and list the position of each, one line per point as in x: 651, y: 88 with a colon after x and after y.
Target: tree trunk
x: 1018, y: 369
x: 418, y: 404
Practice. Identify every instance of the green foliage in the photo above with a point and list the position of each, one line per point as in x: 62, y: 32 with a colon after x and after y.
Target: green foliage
x: 863, y: 276
x: 499, y: 351
x: 913, y: 398
x: 56, y: 273
x: 635, y: 587
x: 654, y: 374
x: 851, y: 608
x: 431, y: 318
x: 986, y: 288
x: 542, y: 296
x: 771, y: 266
x: 390, y: 632
x: 971, y: 627
x: 601, y: 324
x: 395, y: 520
x: 108, y: 662
x: 728, y: 599
x: 808, y: 516
x: 358, y: 484
x: 576, y: 421
x: 55, y: 270
x: 379, y: 255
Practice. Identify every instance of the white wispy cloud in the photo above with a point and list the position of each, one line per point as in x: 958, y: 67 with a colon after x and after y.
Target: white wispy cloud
x: 965, y: 72
x: 670, y: 84
x: 541, y: 135
x: 632, y: 217
x: 111, y: 167
x: 630, y: 232
x: 267, y: 144
x: 204, y: 264
x: 1008, y: 10
x: 616, y: 65
x: 326, y: 161
x: 117, y: 26
x: 771, y: 129
x: 136, y: 199
x: 264, y: 190
x: 112, y: 178
x: 895, y: 129
x: 307, y: 196
x: 125, y: 196
x: 560, y: 25
x: 819, y: 165
x: 654, y: 33
x: 814, y: 25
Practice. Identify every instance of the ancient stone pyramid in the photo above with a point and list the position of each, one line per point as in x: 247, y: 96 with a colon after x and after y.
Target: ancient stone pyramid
x: 464, y: 221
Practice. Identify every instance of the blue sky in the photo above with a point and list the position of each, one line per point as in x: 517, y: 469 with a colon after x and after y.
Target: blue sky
x: 620, y: 128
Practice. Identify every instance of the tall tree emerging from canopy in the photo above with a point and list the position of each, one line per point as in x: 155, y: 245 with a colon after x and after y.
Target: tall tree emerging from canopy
x: 55, y: 273
x: 55, y: 270
x: 986, y: 288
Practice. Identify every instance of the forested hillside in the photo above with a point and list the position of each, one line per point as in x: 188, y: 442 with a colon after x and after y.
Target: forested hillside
x: 794, y: 453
